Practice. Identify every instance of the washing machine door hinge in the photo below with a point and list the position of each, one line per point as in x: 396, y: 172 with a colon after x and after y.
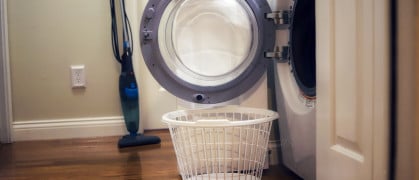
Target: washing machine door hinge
x: 282, y: 18
x: 281, y: 56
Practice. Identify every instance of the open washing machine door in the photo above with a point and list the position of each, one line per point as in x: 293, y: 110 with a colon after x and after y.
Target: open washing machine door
x: 207, y: 51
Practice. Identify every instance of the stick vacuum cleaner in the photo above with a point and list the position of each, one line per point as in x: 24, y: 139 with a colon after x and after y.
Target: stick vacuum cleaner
x: 128, y: 89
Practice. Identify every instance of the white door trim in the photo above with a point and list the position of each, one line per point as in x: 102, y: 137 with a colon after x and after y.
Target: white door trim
x: 5, y: 84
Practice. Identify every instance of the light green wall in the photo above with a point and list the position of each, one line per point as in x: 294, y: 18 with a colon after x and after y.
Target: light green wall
x: 45, y: 38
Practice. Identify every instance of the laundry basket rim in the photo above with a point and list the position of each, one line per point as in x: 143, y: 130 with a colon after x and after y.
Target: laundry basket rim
x: 268, y: 116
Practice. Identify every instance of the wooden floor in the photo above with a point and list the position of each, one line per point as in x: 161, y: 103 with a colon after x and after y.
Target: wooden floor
x: 97, y: 158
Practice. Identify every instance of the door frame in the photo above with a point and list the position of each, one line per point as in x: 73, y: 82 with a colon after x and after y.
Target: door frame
x: 407, y: 96
x: 5, y: 82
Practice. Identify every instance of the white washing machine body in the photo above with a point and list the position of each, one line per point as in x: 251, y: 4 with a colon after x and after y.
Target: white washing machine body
x: 216, y: 51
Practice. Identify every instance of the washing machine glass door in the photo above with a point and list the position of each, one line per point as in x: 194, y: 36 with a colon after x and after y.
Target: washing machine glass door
x: 207, y: 51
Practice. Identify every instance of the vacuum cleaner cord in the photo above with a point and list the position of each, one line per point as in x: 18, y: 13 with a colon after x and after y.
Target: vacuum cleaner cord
x: 127, y: 34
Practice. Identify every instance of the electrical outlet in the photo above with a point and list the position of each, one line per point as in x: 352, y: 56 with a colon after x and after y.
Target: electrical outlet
x: 78, y: 76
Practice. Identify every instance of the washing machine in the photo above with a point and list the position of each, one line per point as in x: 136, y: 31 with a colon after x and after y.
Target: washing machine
x: 213, y: 51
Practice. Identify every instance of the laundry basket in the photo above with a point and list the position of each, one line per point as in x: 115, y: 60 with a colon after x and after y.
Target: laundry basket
x: 220, y: 143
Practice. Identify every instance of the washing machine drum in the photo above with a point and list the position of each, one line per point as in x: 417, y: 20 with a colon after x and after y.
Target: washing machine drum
x: 207, y: 51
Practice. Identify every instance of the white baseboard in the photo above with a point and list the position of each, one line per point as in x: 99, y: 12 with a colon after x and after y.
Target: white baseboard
x: 68, y: 128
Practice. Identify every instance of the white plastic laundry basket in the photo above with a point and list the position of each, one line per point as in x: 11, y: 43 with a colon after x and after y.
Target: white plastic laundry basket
x: 220, y: 143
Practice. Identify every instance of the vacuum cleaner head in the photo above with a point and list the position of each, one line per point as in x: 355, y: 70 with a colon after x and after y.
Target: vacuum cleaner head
x: 138, y: 140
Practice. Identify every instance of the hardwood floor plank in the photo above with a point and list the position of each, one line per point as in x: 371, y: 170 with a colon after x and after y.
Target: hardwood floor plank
x: 96, y: 158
